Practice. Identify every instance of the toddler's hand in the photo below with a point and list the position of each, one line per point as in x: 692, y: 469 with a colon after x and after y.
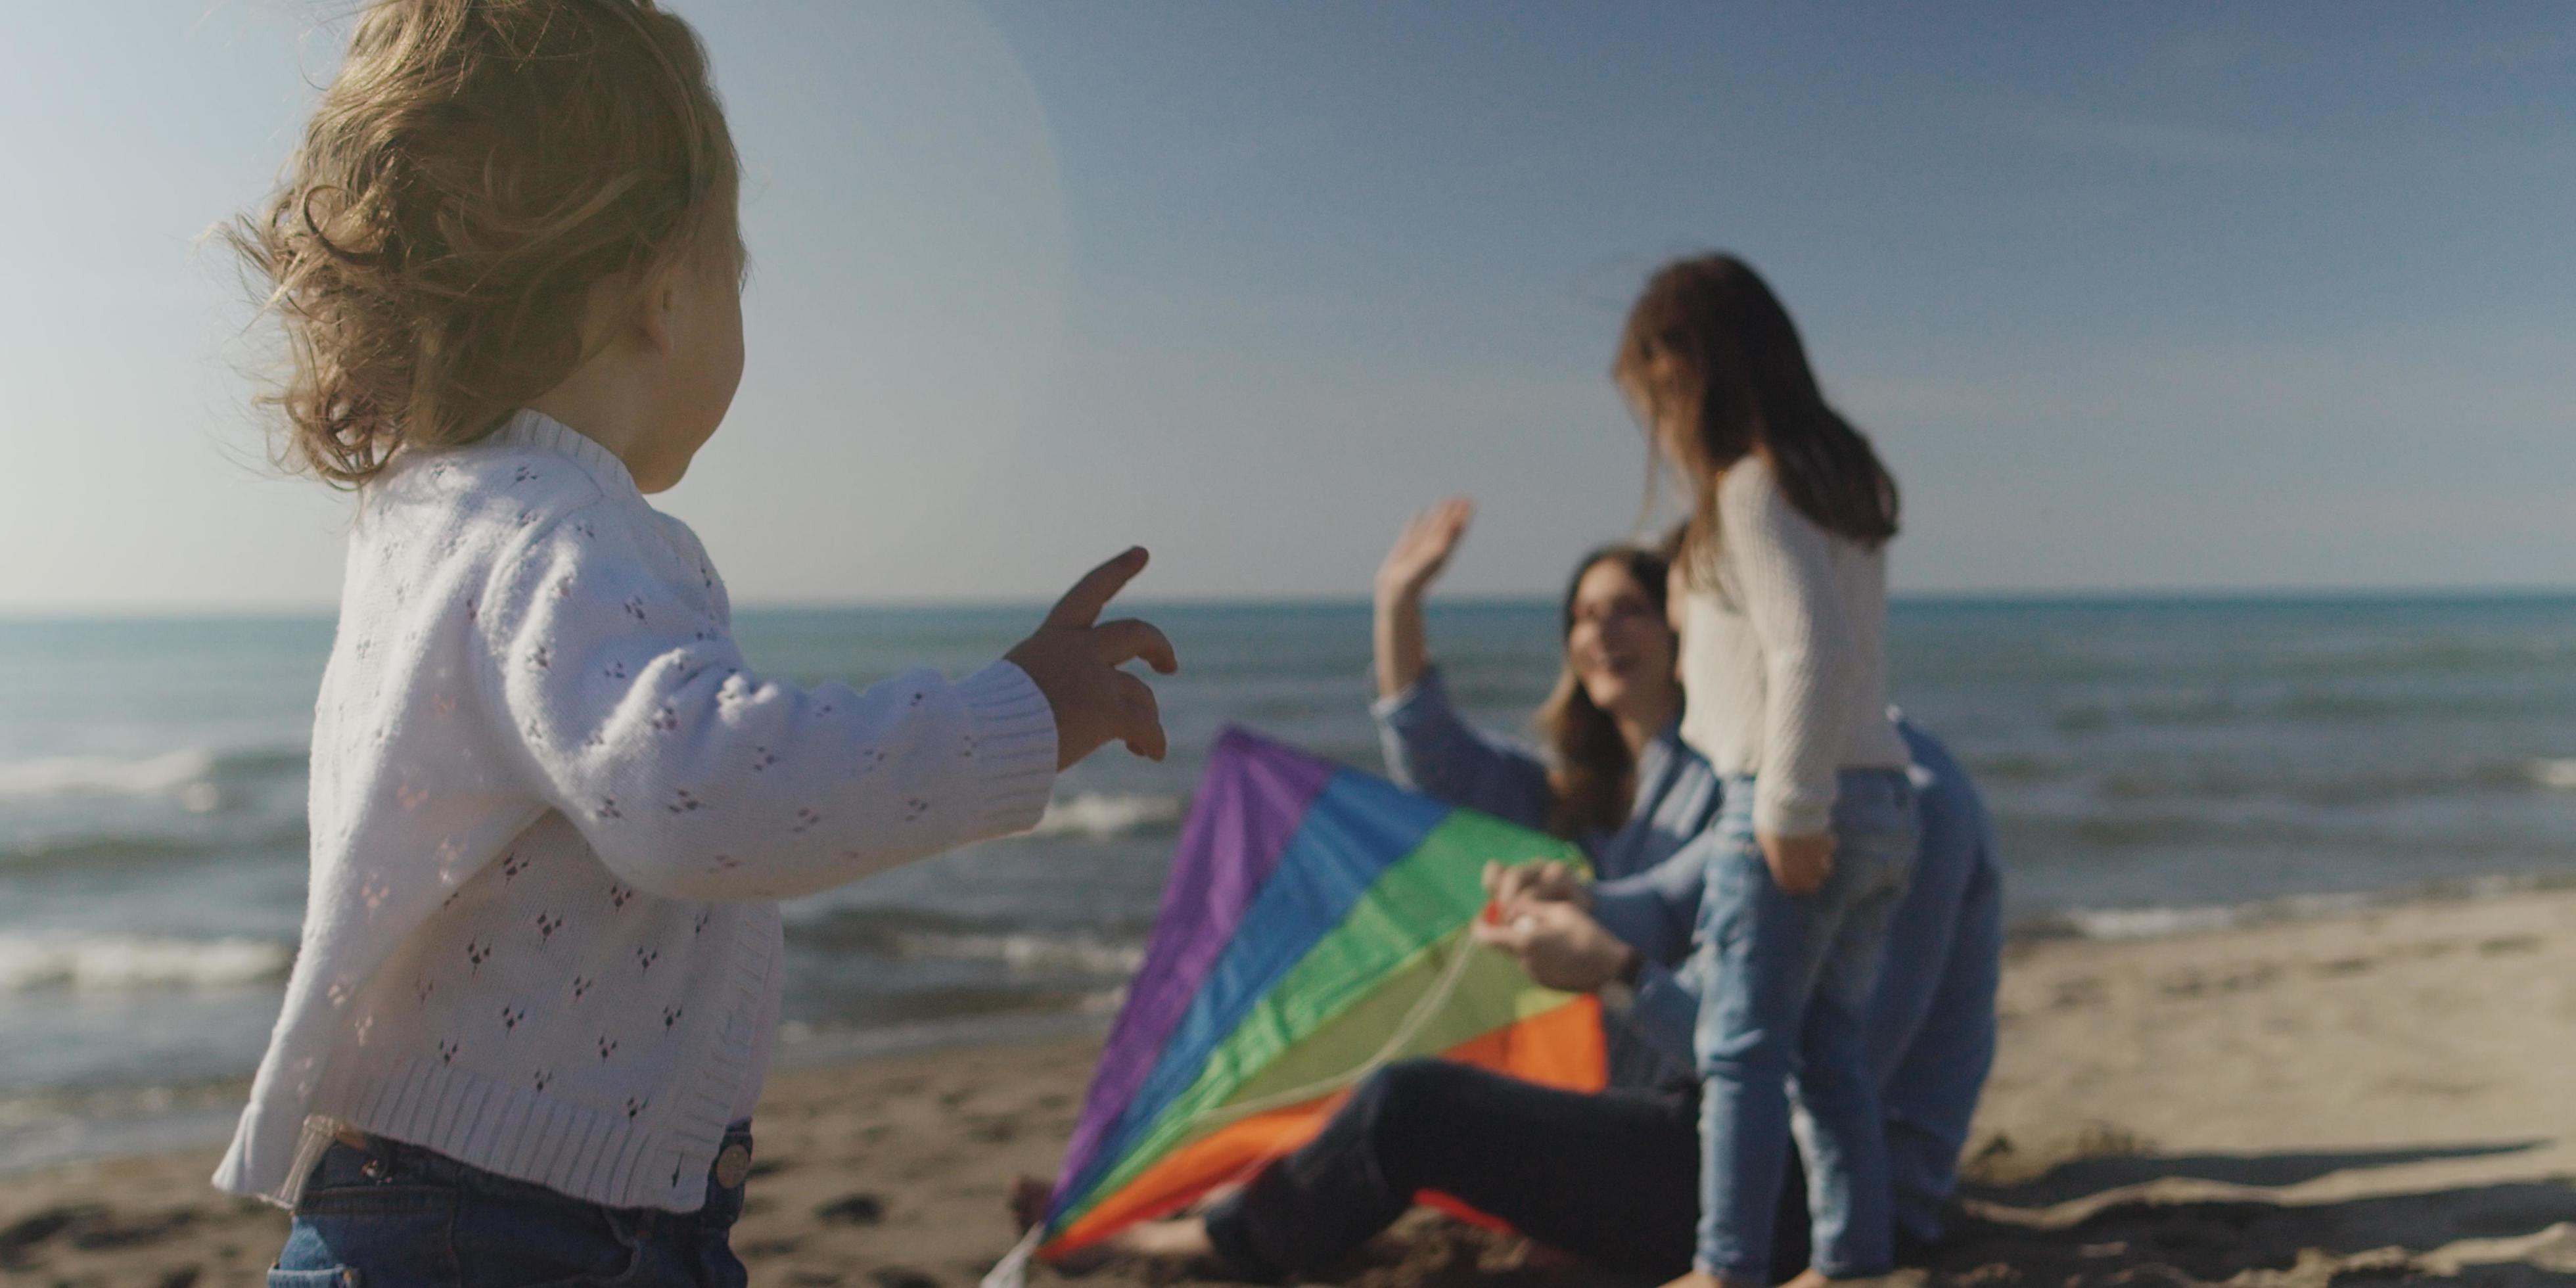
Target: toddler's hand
x: 1074, y: 659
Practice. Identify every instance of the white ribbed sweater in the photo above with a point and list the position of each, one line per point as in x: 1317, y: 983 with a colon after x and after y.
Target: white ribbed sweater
x: 1784, y: 658
x: 552, y: 811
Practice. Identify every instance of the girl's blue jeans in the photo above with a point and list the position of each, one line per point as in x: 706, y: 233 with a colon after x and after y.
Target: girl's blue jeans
x: 1787, y: 984
x: 391, y: 1215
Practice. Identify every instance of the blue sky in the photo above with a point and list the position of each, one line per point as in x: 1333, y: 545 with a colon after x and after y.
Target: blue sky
x: 2132, y: 297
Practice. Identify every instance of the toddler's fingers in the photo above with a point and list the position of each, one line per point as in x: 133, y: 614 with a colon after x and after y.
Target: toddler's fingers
x: 1124, y: 640
x: 1142, y: 716
x: 1081, y: 605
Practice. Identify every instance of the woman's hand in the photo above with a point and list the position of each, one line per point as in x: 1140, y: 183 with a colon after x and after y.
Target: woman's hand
x: 1560, y: 945
x: 1799, y: 864
x: 1423, y: 549
x: 1420, y: 552
x: 1546, y: 881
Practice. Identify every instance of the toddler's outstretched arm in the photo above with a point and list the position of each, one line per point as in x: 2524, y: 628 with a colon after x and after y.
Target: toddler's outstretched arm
x: 628, y: 708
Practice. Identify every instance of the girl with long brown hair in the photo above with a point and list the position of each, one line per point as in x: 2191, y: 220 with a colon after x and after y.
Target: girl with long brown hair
x: 1784, y: 567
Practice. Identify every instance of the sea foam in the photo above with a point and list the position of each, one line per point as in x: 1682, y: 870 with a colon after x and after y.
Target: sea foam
x: 1101, y: 817
x: 107, y: 963
x: 1031, y: 954
x: 185, y: 775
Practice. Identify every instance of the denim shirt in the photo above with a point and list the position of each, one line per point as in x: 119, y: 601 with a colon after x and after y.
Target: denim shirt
x: 1432, y: 750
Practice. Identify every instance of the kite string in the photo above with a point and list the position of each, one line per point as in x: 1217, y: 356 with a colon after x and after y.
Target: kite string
x: 1013, y: 1270
x: 1411, y: 1026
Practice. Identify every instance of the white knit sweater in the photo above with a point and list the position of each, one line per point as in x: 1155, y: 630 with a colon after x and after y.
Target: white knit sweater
x: 1784, y: 657
x: 552, y: 811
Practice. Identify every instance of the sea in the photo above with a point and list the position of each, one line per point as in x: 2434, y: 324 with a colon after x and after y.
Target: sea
x: 2155, y: 766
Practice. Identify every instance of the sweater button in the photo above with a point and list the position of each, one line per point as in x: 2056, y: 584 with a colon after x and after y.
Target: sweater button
x: 733, y: 1166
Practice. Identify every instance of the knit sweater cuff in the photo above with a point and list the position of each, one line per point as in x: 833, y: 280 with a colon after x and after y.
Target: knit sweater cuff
x: 1773, y: 816
x: 1015, y: 749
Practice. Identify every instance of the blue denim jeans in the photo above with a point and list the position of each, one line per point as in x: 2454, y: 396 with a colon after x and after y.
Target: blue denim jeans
x: 1931, y: 1083
x: 391, y: 1215
x: 1931, y: 1038
x: 1787, y: 987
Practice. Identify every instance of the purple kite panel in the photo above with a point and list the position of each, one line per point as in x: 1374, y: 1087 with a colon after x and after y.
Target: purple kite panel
x: 1250, y: 801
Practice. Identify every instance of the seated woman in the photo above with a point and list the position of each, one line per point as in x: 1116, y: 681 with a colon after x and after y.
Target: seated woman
x: 1611, y: 1177
x: 1624, y: 786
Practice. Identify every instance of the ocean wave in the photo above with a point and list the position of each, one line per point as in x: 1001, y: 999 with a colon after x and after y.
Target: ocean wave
x: 2146, y: 923
x: 2165, y: 921
x: 2210, y: 782
x: 1101, y: 817
x: 95, y: 851
x: 114, y: 847
x: 109, y: 963
x: 186, y: 775
x: 2275, y: 707
x: 1026, y: 953
x: 804, y: 1044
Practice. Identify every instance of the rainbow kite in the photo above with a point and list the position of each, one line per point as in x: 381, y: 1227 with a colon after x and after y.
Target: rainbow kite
x: 1314, y: 928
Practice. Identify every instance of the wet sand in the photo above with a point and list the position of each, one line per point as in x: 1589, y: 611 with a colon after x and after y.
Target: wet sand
x: 2383, y: 1097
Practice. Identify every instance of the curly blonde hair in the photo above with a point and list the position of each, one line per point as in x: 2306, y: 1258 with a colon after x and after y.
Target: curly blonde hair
x: 475, y: 169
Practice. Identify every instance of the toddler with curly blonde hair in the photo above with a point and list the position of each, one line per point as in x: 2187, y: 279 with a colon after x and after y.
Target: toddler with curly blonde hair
x: 553, y: 808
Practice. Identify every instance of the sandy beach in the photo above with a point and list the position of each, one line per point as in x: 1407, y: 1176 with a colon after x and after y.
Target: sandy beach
x: 2381, y: 1096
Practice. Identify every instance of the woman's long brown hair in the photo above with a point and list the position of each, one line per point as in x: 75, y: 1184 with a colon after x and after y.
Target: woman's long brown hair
x: 1707, y: 343
x: 1594, y: 772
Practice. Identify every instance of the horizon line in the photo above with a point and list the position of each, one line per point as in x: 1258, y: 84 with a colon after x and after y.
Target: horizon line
x: 2075, y: 596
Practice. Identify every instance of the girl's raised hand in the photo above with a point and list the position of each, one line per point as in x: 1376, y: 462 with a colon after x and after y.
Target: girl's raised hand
x: 1423, y: 549
x: 1074, y: 659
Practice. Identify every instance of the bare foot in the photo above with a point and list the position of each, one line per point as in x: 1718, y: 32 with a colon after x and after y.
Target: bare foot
x: 1809, y: 1278
x: 1210, y: 1199
x: 1178, y: 1239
